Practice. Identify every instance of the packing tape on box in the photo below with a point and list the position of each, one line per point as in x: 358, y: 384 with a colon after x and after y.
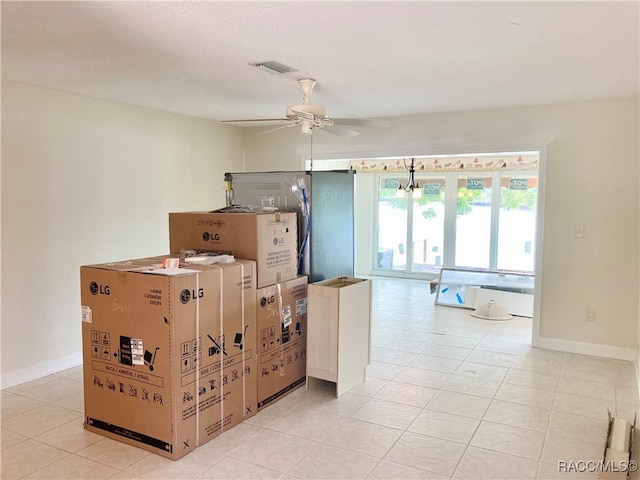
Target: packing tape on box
x: 198, y: 366
x: 221, y: 315
x: 279, y: 288
x: 243, y: 350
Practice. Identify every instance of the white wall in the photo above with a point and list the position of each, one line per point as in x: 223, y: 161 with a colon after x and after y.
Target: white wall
x: 86, y: 181
x: 592, y: 179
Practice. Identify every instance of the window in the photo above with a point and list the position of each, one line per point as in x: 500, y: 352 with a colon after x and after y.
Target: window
x: 474, y: 217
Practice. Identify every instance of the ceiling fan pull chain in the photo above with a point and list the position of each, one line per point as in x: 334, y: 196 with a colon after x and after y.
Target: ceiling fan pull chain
x: 311, y: 154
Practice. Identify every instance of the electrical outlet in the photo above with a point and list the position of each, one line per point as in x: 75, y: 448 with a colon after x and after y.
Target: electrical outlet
x: 590, y: 314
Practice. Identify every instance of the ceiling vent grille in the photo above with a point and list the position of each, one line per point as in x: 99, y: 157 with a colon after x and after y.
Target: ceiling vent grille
x: 274, y: 67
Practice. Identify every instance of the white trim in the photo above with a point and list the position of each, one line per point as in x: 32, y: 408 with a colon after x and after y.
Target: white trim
x: 539, y: 146
x: 373, y: 256
x: 593, y: 349
x: 399, y: 153
x: 17, y: 377
x: 537, y: 290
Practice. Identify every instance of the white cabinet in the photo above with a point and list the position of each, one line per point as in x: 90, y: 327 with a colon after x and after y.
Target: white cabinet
x: 339, y: 331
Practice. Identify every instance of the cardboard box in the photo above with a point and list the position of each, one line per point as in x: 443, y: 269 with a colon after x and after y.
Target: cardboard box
x: 271, y: 239
x: 238, y: 342
x: 618, y: 460
x: 153, y: 376
x: 282, y: 339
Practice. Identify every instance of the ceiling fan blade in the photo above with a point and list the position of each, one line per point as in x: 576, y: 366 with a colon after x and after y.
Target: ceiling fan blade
x: 291, y: 124
x: 363, y: 122
x: 257, y: 122
x: 311, y: 116
x: 340, y: 131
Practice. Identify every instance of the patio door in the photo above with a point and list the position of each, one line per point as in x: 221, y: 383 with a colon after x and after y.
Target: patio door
x: 410, y: 231
x: 477, y: 220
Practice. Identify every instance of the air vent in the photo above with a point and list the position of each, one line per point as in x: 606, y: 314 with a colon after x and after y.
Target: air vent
x: 274, y: 67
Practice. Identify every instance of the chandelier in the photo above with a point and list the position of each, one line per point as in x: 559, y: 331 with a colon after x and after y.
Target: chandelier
x: 412, y: 186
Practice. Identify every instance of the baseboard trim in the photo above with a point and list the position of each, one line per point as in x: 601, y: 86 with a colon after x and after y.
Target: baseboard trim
x: 583, y: 348
x: 23, y: 375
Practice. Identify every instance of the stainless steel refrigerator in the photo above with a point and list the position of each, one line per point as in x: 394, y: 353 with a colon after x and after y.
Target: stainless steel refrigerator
x: 324, y: 202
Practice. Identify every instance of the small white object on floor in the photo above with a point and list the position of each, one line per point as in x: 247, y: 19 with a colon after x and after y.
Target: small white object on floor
x: 491, y: 311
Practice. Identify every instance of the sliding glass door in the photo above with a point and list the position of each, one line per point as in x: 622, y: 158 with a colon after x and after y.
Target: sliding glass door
x: 476, y: 220
x: 392, y: 226
x: 517, y: 221
x: 427, y: 225
x: 473, y: 221
x: 410, y: 229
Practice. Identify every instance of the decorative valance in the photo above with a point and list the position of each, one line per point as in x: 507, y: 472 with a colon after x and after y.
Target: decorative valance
x: 448, y: 163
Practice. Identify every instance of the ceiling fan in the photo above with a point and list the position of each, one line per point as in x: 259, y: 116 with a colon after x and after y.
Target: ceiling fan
x: 309, y: 116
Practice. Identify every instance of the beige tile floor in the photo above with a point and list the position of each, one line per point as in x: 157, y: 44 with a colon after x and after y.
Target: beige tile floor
x: 447, y: 396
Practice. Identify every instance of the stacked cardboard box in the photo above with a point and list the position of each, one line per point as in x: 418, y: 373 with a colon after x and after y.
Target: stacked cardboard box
x: 174, y: 356
x: 271, y: 240
x: 282, y: 339
x: 169, y: 353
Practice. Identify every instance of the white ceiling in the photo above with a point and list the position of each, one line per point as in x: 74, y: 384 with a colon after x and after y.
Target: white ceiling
x: 371, y: 59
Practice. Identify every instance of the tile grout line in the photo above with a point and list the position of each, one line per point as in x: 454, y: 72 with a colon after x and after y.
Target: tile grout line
x: 546, y: 434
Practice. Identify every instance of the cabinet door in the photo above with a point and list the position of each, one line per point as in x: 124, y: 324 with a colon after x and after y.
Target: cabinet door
x: 322, y: 333
x: 353, y: 335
